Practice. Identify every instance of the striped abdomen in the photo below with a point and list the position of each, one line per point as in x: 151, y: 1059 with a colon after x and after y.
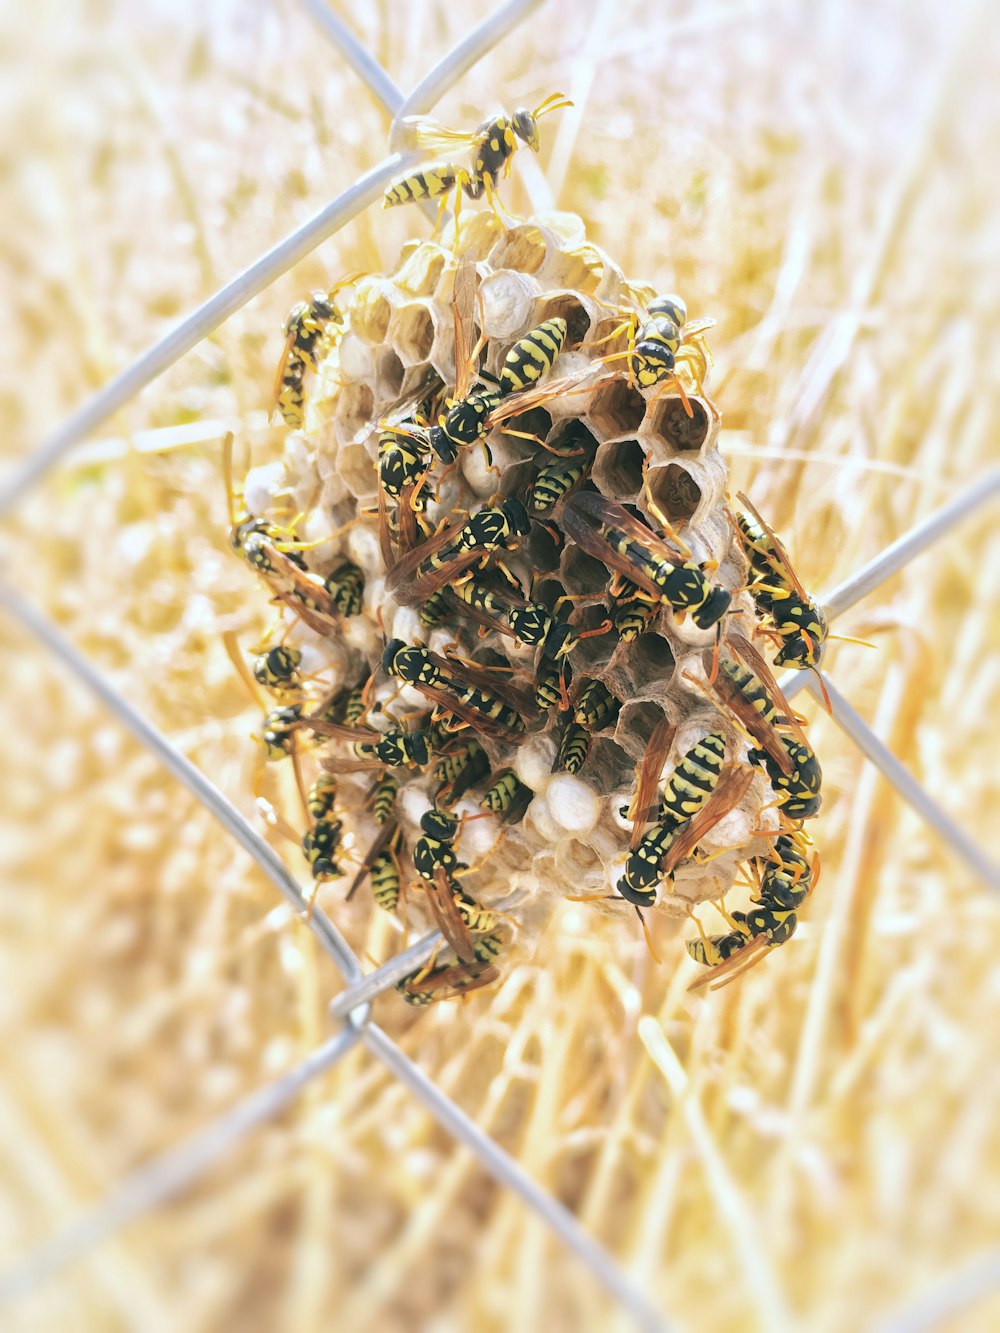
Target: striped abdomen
x: 694, y: 779
x: 532, y: 356
x: 428, y: 183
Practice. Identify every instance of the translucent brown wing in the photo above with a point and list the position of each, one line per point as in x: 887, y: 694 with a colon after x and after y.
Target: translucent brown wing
x: 729, y: 791
x: 463, y: 308
x: 743, y: 710
x: 585, y: 517
x: 763, y: 672
x: 382, y: 840
x: 778, y: 545
x: 734, y: 966
x: 649, y: 778
x: 451, y: 982
x: 441, y: 894
x: 515, y: 403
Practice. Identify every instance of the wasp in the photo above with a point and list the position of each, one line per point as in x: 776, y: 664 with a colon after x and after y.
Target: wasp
x: 277, y: 669
x: 632, y: 609
x: 274, y: 556
x: 448, y: 981
x: 611, y: 534
x: 397, y: 748
x: 436, y: 861
x: 554, y: 482
x: 508, y: 796
x: 382, y: 866
x: 686, y: 791
x: 754, y: 698
x: 788, y: 878
x: 573, y: 749
x: 596, y: 707
x: 491, y: 146
x: 476, y: 698
x: 322, y: 796
x: 778, y: 593
x: 448, y: 554
x: 509, y: 612
x: 383, y: 797
x: 279, y: 730
x: 306, y: 331
x: 460, y: 768
x: 658, y: 852
x: 533, y: 356
x: 552, y: 680
x: 655, y: 344
x: 321, y: 845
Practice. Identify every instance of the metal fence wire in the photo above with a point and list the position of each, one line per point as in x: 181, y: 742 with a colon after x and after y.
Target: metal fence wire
x: 169, y: 1173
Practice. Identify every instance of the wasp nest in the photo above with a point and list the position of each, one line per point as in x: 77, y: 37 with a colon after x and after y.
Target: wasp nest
x: 652, y: 450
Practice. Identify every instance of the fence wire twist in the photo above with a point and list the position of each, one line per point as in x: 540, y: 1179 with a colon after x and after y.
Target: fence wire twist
x: 169, y: 1173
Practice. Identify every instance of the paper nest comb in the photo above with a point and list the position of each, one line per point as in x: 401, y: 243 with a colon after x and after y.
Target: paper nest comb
x: 397, y: 329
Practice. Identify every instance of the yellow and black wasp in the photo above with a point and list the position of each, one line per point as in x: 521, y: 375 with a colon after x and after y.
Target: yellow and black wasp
x: 554, y: 482
x: 494, y: 709
x: 507, y: 796
x: 754, y: 698
x: 687, y: 790
x: 661, y: 849
x: 450, y: 981
x: 440, y: 561
x: 491, y: 147
x: 656, y: 342
x: 307, y: 331
x: 632, y: 609
x: 781, y: 600
x: 277, y: 669
x: 596, y: 707
x: 786, y: 878
x: 609, y: 533
x: 276, y: 557
x: 573, y: 748
x: 435, y: 860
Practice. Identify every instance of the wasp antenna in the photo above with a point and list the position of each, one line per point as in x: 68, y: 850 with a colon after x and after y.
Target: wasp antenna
x: 823, y: 690
x: 648, y: 937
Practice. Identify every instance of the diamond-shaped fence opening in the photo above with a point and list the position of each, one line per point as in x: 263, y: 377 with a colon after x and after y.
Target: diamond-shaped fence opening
x: 172, y: 1171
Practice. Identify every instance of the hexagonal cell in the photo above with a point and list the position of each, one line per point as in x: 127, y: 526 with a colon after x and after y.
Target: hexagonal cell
x: 591, y: 656
x: 421, y: 269
x: 668, y: 421
x: 354, y: 409
x: 390, y: 375
x: 635, y: 726
x: 675, y: 492
x: 615, y: 409
x: 507, y: 301
x: 412, y: 332
x: 582, y: 573
x: 371, y: 311
x: 652, y: 663
x: 568, y: 306
x: 523, y: 248
x: 568, y: 436
x: 356, y: 470
x: 541, y: 549
x: 536, y: 421
x: 618, y: 469
x: 614, y: 765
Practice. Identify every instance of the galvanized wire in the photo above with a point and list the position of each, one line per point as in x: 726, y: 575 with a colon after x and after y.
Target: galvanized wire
x: 164, y: 1176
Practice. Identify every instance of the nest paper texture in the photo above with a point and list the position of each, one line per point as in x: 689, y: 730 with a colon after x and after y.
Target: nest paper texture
x: 815, y: 1146
x: 398, y: 334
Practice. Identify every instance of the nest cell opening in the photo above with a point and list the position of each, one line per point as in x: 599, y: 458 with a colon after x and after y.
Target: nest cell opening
x: 573, y: 311
x: 668, y: 421
x: 569, y: 436
x: 521, y: 248
x: 615, y: 409
x: 536, y: 421
x: 356, y: 470
x: 541, y: 549
x: 651, y: 662
x: 636, y: 724
x: 391, y: 371
x: 674, y: 492
x: 618, y: 469
x: 370, y: 315
x: 581, y: 573
x: 413, y: 333
x: 592, y: 655
x: 615, y: 765
x: 355, y: 407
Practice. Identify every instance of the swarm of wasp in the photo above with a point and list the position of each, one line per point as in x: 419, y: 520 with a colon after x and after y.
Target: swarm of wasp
x: 510, y: 586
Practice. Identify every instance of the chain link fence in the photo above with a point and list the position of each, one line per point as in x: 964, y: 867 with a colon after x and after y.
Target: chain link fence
x: 168, y: 1174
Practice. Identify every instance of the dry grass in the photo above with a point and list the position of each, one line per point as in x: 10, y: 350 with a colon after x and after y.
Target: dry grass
x: 810, y: 1147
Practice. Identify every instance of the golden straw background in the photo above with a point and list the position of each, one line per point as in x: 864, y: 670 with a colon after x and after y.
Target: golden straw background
x: 813, y: 1147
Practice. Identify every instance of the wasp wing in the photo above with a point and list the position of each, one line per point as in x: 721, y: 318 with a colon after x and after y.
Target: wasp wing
x: 778, y: 545
x: 729, y: 791
x: 649, y: 778
x: 441, y: 894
